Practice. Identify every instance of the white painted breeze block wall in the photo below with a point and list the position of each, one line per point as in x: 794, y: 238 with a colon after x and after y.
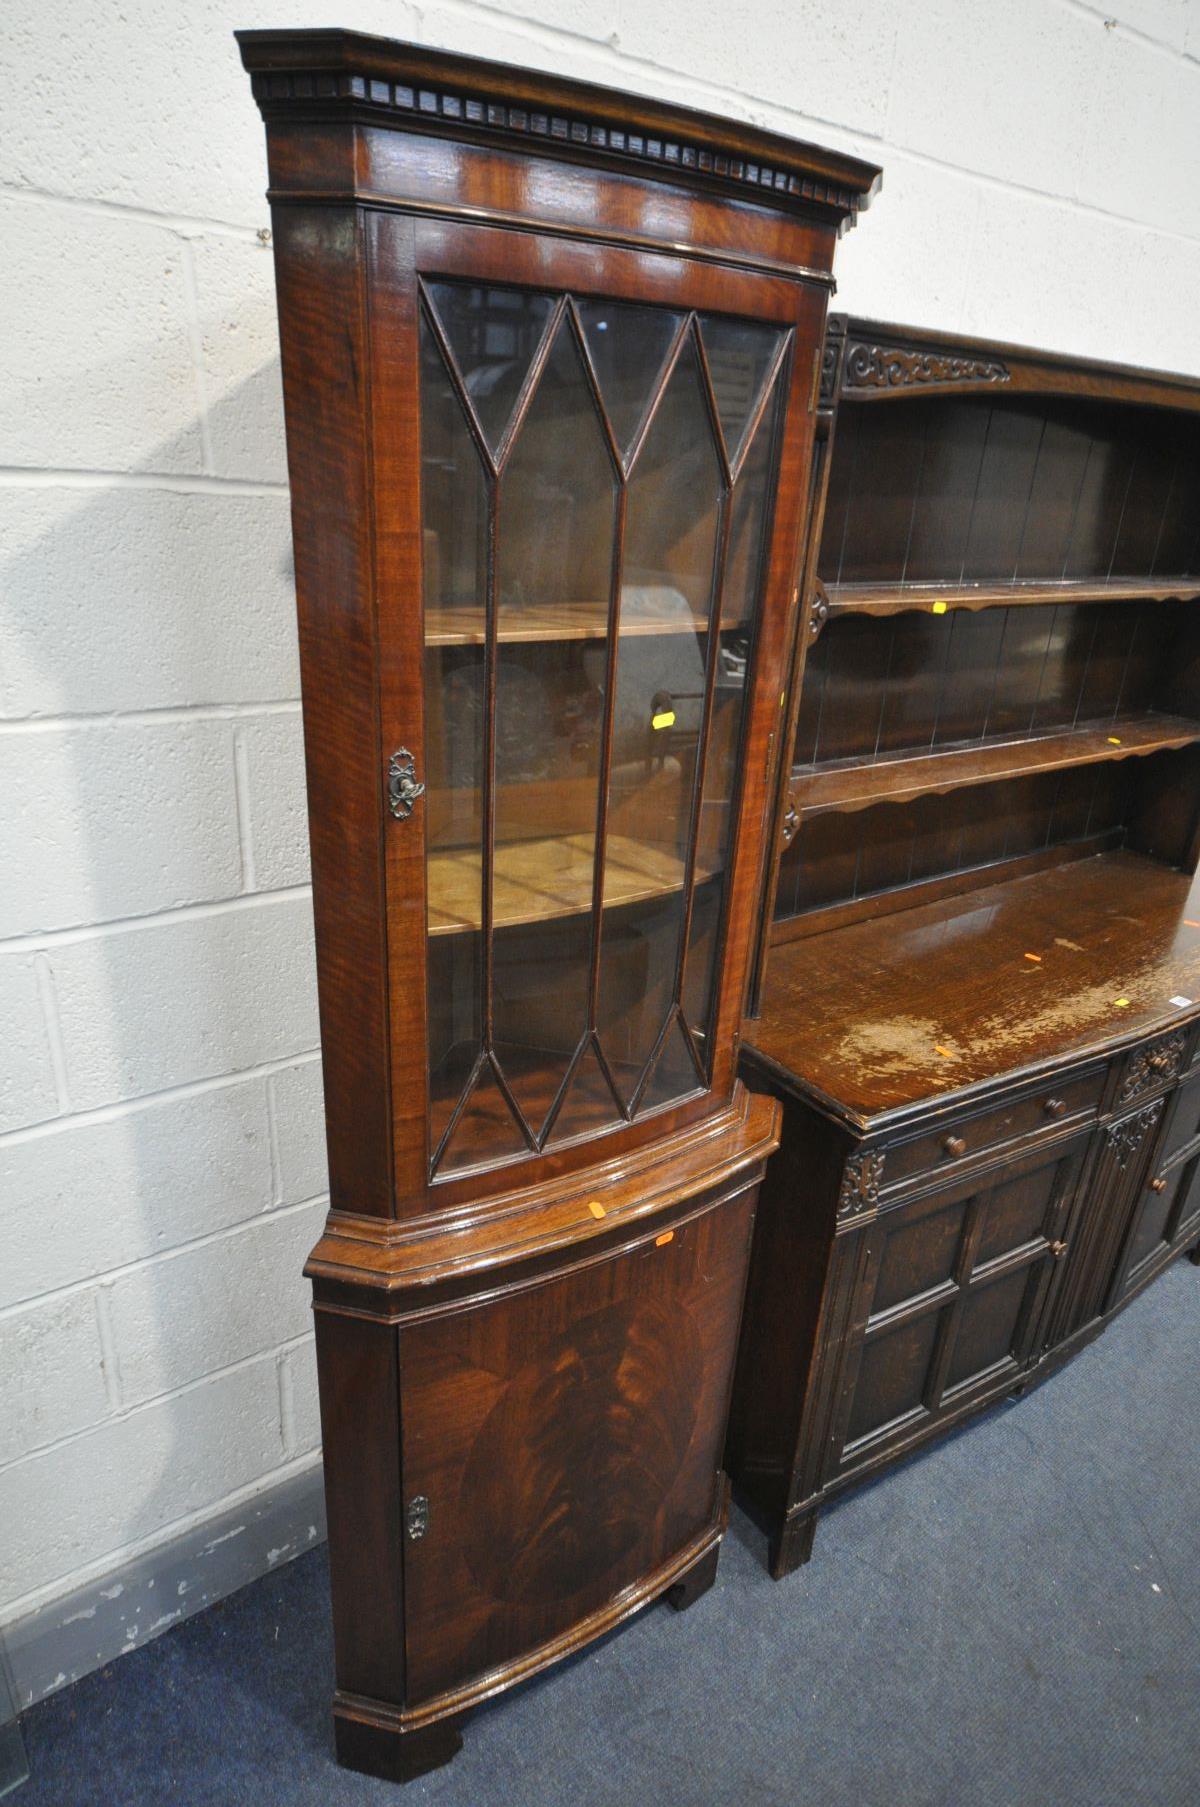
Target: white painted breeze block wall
x: 161, y: 1157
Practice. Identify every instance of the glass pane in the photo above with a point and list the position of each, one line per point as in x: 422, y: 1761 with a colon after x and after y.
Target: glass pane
x: 672, y: 513
x: 494, y: 335
x: 487, y: 1129
x: 628, y: 347
x: 676, y: 1069
x: 557, y: 512
x: 744, y: 570
x: 552, y: 1025
x: 739, y: 356
x: 590, y: 1103
x: 455, y: 533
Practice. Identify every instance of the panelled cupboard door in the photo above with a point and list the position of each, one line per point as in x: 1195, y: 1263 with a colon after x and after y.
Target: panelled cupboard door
x: 600, y: 566
x: 563, y: 1442
x: 1166, y: 1217
x: 952, y: 1293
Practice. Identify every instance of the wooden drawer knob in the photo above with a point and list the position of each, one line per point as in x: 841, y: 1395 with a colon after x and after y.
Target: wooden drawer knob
x: 954, y: 1146
x: 1056, y: 1107
x: 1158, y: 1185
x: 1159, y: 1063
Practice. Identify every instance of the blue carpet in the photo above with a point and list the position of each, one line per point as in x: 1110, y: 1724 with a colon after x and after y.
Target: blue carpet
x: 1009, y: 1620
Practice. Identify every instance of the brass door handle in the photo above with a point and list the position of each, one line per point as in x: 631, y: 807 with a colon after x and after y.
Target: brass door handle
x: 1058, y: 1250
x: 1159, y: 1185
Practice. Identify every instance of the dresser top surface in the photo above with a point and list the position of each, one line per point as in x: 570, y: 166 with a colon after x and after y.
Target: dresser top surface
x: 882, y: 1015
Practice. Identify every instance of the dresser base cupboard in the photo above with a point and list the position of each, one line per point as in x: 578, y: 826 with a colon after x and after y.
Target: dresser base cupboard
x: 979, y: 998
x: 550, y: 359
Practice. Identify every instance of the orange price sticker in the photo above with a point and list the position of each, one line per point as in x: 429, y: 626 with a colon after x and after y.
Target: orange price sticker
x: 945, y: 1053
x: 660, y: 1242
x: 595, y: 1207
x: 1036, y: 958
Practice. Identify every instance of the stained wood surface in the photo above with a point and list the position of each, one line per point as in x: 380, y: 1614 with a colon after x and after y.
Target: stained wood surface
x: 911, y: 774
x: 879, y: 1015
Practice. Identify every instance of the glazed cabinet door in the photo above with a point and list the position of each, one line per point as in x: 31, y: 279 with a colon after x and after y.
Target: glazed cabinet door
x: 952, y: 1291
x: 1166, y: 1214
x: 601, y: 439
x: 562, y: 1444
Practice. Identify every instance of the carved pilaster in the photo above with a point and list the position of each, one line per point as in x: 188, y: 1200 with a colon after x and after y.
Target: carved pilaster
x: 862, y: 1177
x: 1126, y: 1137
x: 831, y: 362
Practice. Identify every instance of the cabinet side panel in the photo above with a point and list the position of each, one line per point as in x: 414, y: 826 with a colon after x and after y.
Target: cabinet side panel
x: 360, y: 1427
x: 789, y: 1273
x: 319, y: 279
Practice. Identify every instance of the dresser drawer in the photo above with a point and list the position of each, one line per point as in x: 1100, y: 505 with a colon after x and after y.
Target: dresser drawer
x: 1071, y: 1099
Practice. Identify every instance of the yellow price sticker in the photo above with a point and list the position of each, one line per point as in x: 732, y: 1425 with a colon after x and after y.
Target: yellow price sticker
x: 664, y: 719
x: 940, y: 608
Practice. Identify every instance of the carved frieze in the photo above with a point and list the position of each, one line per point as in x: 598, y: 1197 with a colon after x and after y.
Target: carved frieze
x: 498, y: 118
x: 903, y: 367
x: 861, y: 1180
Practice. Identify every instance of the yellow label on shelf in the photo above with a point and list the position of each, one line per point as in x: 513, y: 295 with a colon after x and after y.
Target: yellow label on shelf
x: 939, y: 608
x: 664, y: 719
x: 1122, y: 1003
x: 1114, y: 740
x: 660, y: 1242
x: 595, y: 1207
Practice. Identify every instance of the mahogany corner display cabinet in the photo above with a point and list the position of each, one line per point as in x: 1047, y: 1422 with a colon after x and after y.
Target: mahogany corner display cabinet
x: 551, y: 357
x: 981, y: 1004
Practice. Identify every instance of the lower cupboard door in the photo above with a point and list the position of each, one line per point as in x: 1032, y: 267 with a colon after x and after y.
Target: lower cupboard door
x: 952, y: 1291
x: 561, y: 1443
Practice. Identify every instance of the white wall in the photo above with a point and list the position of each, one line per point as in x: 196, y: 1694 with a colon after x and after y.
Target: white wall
x: 161, y: 1166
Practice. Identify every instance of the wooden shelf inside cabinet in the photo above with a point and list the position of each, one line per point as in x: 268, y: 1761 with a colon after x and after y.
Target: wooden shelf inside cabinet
x: 903, y: 776
x: 564, y: 621
x: 546, y: 878
x: 900, y: 598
